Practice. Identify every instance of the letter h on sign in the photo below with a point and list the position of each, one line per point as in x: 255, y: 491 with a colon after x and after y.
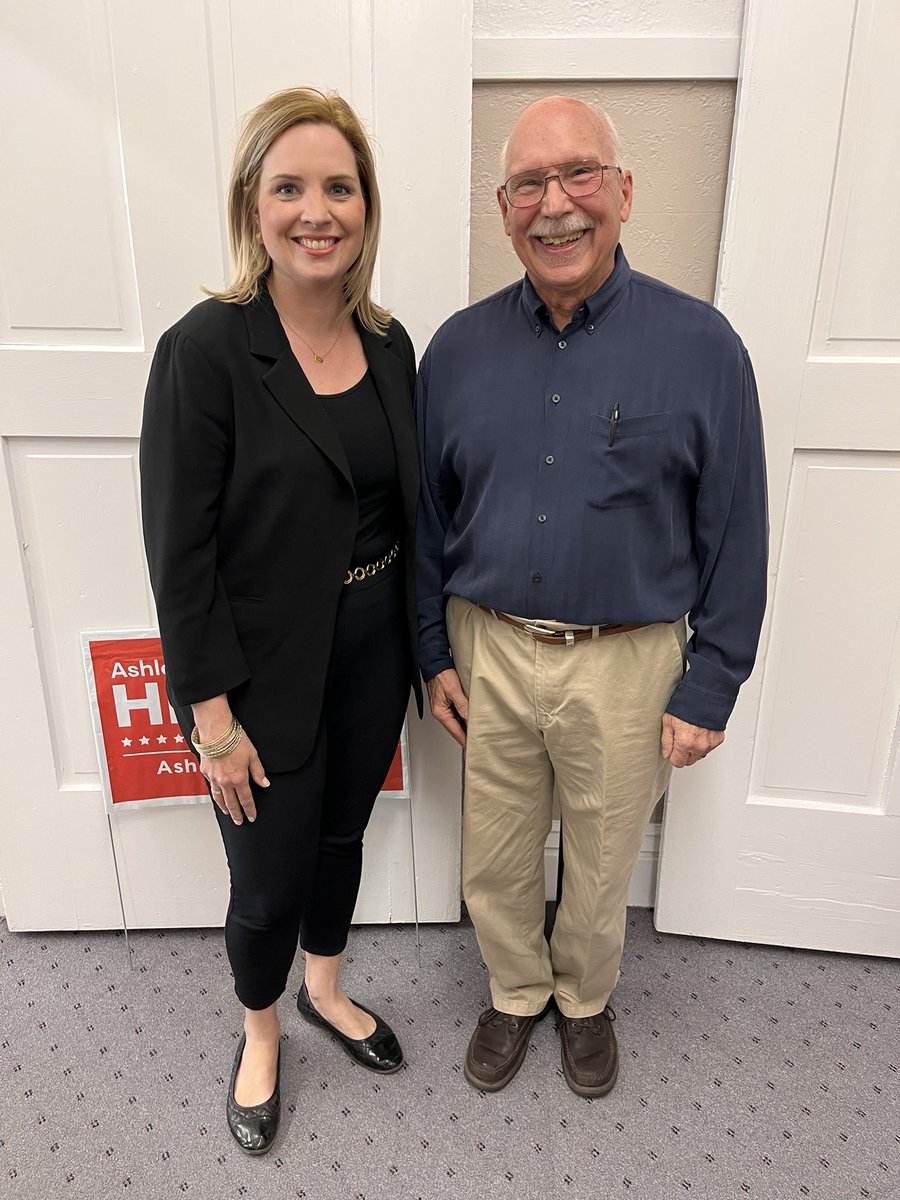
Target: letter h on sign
x: 152, y: 701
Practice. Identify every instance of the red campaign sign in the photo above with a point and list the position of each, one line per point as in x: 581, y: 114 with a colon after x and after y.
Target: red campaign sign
x: 394, y: 781
x: 144, y: 758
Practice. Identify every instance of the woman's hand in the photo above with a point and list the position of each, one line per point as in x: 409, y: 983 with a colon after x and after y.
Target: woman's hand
x: 228, y: 777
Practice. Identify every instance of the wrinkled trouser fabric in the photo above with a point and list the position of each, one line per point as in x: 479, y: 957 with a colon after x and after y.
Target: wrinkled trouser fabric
x: 583, y: 721
x: 295, y: 871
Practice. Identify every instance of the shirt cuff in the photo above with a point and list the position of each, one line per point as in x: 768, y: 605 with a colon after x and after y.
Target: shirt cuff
x: 697, y: 706
x: 432, y: 664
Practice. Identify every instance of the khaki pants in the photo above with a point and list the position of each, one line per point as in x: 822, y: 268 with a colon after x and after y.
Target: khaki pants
x: 584, y: 720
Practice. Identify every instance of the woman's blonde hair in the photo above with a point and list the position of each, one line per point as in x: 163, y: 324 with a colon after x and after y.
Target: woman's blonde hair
x: 261, y: 127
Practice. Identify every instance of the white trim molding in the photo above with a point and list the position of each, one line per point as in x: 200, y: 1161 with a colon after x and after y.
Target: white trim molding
x: 616, y: 57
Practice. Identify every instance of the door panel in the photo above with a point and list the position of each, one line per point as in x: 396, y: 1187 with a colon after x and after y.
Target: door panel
x: 815, y: 681
x: 792, y: 830
x: 66, y: 213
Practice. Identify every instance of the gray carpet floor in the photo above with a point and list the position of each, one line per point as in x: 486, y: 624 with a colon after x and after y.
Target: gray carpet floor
x: 746, y: 1071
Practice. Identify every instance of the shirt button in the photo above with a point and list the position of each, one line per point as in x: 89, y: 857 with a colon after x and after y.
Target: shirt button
x: 589, y: 328
x: 537, y: 577
x: 562, y: 344
x: 549, y: 460
x: 537, y: 329
x: 542, y: 518
x: 554, y: 399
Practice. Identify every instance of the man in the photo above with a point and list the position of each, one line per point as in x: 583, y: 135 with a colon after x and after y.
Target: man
x: 593, y: 471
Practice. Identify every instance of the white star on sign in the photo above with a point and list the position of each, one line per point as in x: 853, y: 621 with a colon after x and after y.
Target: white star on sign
x: 162, y: 740
x: 126, y: 741
x: 179, y: 739
x: 145, y: 741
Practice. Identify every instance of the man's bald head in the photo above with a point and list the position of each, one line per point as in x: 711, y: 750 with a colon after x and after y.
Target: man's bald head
x: 544, y: 115
x: 567, y: 243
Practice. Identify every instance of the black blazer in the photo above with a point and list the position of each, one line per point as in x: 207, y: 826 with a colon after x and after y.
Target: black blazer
x: 250, y: 517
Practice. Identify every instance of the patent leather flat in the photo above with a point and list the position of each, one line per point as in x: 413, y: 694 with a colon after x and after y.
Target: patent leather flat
x: 253, y: 1127
x: 380, y: 1051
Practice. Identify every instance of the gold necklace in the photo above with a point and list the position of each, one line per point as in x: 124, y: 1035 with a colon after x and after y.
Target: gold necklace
x: 320, y: 358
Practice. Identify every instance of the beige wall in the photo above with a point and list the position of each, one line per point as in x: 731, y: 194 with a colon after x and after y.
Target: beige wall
x: 676, y: 139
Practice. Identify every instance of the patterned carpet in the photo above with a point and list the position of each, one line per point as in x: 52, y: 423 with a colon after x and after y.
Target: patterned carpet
x: 746, y: 1072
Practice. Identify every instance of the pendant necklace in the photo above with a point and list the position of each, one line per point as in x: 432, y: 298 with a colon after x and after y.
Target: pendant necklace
x: 320, y: 358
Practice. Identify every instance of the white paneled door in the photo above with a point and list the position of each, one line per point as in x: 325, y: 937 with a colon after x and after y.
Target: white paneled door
x: 116, y: 128
x: 791, y: 833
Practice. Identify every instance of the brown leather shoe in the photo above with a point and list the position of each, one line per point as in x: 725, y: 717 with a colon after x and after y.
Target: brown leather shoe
x: 497, y: 1048
x: 590, y: 1056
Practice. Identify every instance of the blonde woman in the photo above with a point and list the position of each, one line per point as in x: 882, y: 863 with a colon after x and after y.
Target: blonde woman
x: 279, y: 475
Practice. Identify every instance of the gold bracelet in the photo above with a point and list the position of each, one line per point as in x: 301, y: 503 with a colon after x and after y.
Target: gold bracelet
x: 215, y: 743
x: 221, y: 746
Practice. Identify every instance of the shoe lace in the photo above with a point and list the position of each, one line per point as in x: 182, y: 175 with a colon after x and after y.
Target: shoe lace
x: 493, y: 1016
x: 592, y: 1024
x: 497, y: 1018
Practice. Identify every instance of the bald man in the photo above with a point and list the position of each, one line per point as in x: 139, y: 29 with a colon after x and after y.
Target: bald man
x: 592, y: 473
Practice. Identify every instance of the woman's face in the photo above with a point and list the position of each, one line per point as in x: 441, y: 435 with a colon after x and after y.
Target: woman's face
x: 310, y: 207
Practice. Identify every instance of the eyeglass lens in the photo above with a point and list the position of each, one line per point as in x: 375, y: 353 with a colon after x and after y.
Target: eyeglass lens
x: 575, y: 178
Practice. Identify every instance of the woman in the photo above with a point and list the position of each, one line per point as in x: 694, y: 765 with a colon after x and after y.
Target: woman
x: 279, y: 484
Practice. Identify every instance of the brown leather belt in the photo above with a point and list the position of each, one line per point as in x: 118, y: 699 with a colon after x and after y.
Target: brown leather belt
x: 558, y: 637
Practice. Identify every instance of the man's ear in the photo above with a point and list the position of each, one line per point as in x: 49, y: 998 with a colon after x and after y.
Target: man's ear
x: 627, y: 187
x: 504, y: 209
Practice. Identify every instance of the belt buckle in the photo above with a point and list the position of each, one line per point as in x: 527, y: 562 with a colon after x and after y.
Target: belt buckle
x: 556, y: 635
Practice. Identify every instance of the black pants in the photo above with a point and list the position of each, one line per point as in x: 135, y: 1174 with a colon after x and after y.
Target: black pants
x: 295, y: 870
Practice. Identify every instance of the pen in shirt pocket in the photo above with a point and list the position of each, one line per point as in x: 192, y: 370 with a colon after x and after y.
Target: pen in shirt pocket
x: 613, y: 422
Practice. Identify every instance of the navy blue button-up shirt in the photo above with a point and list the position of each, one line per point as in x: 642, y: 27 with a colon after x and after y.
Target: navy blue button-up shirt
x: 609, y: 473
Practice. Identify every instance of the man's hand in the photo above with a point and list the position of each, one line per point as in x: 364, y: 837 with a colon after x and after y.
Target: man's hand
x: 683, y: 744
x: 449, y: 704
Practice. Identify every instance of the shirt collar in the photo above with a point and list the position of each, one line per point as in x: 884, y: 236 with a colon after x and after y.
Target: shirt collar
x: 591, y: 310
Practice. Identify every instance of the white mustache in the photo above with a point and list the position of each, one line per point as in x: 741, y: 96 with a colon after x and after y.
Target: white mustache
x: 544, y: 227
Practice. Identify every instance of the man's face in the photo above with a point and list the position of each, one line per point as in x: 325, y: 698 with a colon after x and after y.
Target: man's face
x: 550, y: 133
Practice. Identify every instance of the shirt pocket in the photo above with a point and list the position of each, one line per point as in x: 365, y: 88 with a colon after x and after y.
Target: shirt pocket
x: 628, y: 471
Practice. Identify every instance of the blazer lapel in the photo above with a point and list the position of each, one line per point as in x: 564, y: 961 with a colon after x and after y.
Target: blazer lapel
x: 393, y: 385
x: 287, y: 383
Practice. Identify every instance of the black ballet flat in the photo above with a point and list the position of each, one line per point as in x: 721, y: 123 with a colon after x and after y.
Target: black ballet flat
x: 254, y: 1127
x: 380, y: 1051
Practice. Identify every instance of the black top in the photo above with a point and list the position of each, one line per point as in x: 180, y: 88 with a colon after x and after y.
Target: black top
x: 250, y: 516
x: 362, y: 426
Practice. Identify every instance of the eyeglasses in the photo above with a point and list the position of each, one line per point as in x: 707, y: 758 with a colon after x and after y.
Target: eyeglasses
x: 575, y: 178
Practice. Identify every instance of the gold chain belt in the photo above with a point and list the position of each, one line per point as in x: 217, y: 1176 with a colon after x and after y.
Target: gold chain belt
x: 355, y: 574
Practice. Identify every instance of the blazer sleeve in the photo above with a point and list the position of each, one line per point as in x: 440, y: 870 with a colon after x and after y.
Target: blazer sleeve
x: 186, y: 452
x: 403, y: 348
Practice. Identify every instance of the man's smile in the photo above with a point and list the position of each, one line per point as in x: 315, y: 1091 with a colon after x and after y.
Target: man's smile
x: 562, y: 239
